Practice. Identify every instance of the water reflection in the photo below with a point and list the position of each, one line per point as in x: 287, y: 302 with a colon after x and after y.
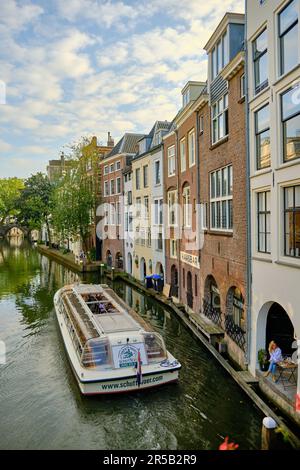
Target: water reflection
x: 41, y: 406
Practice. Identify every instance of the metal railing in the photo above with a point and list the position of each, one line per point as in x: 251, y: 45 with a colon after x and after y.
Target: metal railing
x: 212, y: 313
x: 235, y: 332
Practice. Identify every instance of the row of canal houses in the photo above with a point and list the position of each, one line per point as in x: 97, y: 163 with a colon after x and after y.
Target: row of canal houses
x: 211, y: 201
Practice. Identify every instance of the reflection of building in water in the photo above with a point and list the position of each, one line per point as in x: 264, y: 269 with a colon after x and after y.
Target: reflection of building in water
x: 15, y: 232
x: 16, y: 241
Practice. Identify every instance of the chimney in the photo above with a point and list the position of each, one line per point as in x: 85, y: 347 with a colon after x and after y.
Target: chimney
x: 110, y: 141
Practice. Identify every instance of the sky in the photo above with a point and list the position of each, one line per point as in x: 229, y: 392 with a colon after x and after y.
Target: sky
x: 85, y: 67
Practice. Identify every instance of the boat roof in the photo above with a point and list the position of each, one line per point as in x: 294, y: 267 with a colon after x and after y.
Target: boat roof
x: 117, y: 321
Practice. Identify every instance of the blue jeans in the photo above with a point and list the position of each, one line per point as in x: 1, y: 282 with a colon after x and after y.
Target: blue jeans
x: 272, y: 367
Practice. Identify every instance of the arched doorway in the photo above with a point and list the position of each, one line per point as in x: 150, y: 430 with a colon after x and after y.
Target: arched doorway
x: 143, y: 269
x: 280, y: 329
x: 159, y: 269
x: 212, y: 300
x: 129, y: 263
x: 119, y: 260
x: 15, y: 232
x: 189, y: 289
x: 174, y: 282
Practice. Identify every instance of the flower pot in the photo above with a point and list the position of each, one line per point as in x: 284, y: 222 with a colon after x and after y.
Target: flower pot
x: 264, y: 366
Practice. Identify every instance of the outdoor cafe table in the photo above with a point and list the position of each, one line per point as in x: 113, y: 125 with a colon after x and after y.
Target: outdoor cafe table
x: 287, y: 373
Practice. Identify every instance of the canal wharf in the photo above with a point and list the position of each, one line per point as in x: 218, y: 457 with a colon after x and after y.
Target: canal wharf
x: 68, y: 260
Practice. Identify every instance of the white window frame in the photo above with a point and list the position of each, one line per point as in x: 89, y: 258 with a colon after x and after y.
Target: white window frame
x: 106, y: 188
x: 218, y: 200
x: 218, y: 114
x: 157, y: 181
x: 220, y: 51
x: 106, y: 169
x: 243, y: 86
x: 112, y: 168
x: 137, y: 179
x: 118, y: 179
x: 172, y: 195
x: 112, y: 193
x: 171, y: 160
x: 192, y: 148
x: 187, y: 212
x: 118, y: 165
x: 183, y: 154
x: 173, y: 248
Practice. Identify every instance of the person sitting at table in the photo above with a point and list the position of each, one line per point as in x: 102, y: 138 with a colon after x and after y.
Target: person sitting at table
x: 275, y: 357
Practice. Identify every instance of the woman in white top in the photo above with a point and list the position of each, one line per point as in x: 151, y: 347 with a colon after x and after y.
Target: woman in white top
x: 275, y: 357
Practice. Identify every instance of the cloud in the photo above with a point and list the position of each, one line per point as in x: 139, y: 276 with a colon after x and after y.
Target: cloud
x: 4, y: 146
x: 15, y: 17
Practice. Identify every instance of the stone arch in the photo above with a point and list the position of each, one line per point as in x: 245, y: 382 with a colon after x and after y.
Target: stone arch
x: 159, y: 269
x: 235, y: 306
x: 274, y: 323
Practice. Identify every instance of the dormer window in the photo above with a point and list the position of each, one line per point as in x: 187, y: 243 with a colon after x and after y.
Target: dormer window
x: 186, y: 98
x: 220, y: 55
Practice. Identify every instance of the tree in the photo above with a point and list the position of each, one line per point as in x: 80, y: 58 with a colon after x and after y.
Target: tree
x: 10, y: 191
x: 36, y: 202
x: 76, y: 197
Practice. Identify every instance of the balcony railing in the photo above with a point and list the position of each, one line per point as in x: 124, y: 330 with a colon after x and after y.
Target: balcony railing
x: 212, y: 313
x: 235, y: 332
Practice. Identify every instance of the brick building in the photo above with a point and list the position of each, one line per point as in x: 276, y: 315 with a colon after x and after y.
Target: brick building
x: 111, y: 227
x: 222, y: 150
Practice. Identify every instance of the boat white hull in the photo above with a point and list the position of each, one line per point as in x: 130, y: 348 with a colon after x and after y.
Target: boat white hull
x: 92, y: 382
x: 127, y: 385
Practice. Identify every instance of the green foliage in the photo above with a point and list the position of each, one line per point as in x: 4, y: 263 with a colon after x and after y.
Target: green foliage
x: 262, y: 356
x: 92, y: 254
x: 36, y: 202
x: 74, y: 198
x: 10, y: 190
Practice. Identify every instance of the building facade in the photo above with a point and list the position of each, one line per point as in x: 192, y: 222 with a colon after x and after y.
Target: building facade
x: 273, y: 53
x: 128, y: 221
x: 112, y: 209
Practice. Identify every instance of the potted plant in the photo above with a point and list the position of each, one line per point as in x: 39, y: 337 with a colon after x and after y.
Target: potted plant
x: 263, y: 359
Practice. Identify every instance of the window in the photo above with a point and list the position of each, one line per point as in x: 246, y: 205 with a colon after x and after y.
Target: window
x: 145, y: 176
x: 112, y: 187
x: 201, y: 124
x: 138, y: 206
x: 106, y: 188
x: 118, y: 185
x: 149, y: 237
x: 221, y: 215
x: 171, y: 161
x: 146, y: 206
x: 292, y: 221
x: 173, y: 248
x: 220, y: 55
x: 196, y: 285
x: 129, y: 198
x: 112, y: 213
x: 172, y: 206
x: 260, y: 58
x: 289, y: 37
x: 182, y: 155
x: 186, y: 98
x: 157, y: 172
x: 242, y: 86
x: 158, y: 211
x: 118, y: 213
x: 130, y: 219
x: 187, y: 216
x: 290, y: 117
x: 192, y: 158
x: 137, y: 178
x: 126, y: 221
x: 220, y: 119
x: 262, y: 137
x: 112, y: 168
x: 106, y: 170
x: 159, y: 242
x: 264, y: 222
x: 118, y: 165
x: 203, y: 216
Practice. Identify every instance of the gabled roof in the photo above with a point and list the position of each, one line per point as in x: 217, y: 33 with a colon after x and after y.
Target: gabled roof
x: 163, y: 126
x: 127, y: 144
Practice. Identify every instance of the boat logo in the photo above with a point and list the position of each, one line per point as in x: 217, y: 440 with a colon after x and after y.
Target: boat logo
x: 127, y: 356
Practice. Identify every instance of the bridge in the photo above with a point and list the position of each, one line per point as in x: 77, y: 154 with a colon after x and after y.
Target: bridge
x: 5, y: 229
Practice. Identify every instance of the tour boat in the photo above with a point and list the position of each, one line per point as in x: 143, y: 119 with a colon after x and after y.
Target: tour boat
x: 110, y: 347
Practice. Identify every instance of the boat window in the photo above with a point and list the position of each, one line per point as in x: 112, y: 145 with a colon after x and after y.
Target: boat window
x: 96, y: 353
x: 155, y: 347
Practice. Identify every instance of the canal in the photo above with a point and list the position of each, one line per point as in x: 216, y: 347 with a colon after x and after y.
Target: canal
x: 41, y: 407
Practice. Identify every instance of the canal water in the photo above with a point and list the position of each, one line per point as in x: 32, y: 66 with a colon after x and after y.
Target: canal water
x: 40, y: 404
